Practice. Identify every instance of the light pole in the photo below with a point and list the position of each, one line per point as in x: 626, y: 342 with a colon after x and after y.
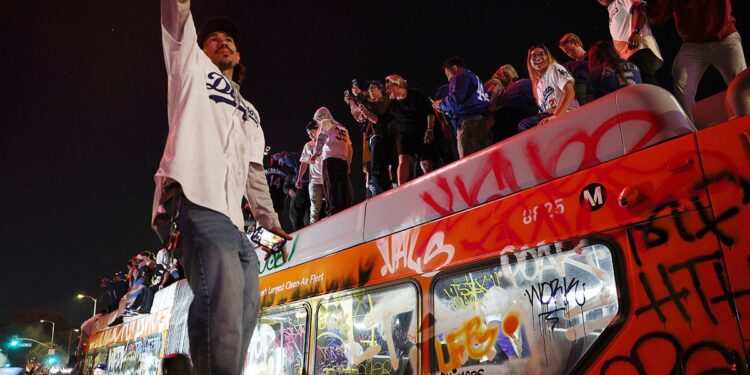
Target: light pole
x: 52, y: 340
x: 70, y: 338
x: 81, y: 296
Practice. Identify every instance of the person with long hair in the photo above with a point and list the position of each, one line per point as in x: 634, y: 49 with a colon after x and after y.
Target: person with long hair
x: 552, y: 84
x: 608, y: 72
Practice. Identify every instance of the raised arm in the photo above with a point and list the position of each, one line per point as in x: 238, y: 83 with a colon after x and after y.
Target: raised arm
x: 174, y: 14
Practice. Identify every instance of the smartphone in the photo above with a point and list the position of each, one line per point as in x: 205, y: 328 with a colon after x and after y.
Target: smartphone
x: 265, y: 237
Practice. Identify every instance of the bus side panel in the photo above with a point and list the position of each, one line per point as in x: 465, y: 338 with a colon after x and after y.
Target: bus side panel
x: 675, y: 320
x: 725, y: 151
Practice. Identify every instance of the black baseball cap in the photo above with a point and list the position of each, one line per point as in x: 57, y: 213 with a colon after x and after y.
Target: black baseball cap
x: 219, y: 24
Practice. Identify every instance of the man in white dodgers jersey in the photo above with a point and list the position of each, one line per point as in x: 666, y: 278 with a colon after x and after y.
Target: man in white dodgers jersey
x: 213, y: 156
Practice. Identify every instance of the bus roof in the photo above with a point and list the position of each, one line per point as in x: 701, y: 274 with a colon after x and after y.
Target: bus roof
x: 624, y: 122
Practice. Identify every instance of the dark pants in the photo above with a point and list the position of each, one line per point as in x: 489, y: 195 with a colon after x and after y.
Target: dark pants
x: 648, y: 64
x: 222, y: 270
x: 337, y: 188
x: 532, y: 121
x: 506, y: 122
x: 380, y: 159
x: 148, y: 299
x: 299, y: 209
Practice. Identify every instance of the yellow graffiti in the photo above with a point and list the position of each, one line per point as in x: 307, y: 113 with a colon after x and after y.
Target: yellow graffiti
x: 472, y: 289
x: 474, y: 339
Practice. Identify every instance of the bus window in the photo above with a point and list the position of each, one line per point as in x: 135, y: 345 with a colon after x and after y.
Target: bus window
x: 115, y: 359
x: 279, y: 343
x: 371, y: 332
x: 540, y: 310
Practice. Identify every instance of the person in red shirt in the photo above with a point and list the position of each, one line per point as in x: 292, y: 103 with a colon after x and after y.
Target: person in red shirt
x: 709, y: 37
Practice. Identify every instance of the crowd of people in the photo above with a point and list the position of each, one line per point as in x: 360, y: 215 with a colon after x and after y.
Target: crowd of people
x: 406, y: 133
x: 132, y: 293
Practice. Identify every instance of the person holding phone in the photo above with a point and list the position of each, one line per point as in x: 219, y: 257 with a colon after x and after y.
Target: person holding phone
x: 213, y: 156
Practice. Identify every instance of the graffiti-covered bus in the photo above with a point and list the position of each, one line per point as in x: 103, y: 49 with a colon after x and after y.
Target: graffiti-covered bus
x: 612, y: 241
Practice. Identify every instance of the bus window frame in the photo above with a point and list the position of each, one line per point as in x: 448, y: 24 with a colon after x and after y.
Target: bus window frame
x: 303, y: 304
x: 323, y: 298
x: 620, y: 277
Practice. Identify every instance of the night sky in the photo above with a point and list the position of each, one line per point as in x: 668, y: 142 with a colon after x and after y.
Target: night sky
x: 84, y: 116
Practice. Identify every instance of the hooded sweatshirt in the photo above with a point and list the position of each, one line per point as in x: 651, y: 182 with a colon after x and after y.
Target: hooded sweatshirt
x: 333, y: 138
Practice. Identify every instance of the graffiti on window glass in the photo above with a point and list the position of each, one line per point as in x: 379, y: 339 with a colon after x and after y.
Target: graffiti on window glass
x: 541, y: 309
x: 278, y: 344
x: 369, y: 334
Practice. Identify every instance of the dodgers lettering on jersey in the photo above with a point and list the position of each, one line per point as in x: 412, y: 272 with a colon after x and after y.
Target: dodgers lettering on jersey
x: 226, y: 94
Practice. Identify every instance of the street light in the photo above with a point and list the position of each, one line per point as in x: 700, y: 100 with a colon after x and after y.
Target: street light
x: 52, y: 341
x: 81, y: 296
x: 70, y: 337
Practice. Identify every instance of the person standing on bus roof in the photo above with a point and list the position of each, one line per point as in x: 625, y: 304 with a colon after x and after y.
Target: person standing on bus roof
x: 466, y: 102
x: 334, y: 146
x: 709, y: 37
x: 315, y: 187
x: 415, y: 118
x: 632, y: 37
x: 213, y: 156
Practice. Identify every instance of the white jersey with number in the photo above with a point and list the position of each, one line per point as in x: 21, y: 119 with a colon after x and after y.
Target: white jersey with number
x: 333, y: 141
x: 549, y: 89
x: 315, y: 169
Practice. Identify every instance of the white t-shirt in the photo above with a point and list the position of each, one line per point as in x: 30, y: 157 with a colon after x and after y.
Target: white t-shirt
x: 333, y: 141
x: 214, y: 134
x: 620, y: 27
x: 315, y: 169
x: 549, y: 89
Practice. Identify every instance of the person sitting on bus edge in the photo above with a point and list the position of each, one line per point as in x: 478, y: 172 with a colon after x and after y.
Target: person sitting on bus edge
x: 578, y: 66
x: 379, y: 138
x: 315, y: 169
x: 709, y: 37
x: 467, y: 103
x: 511, y: 100
x: 553, y: 87
x: 632, y: 37
x: 414, y: 116
x: 608, y: 72
x: 335, y: 148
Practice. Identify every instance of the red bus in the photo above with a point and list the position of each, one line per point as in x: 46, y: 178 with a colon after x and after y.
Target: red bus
x: 612, y: 241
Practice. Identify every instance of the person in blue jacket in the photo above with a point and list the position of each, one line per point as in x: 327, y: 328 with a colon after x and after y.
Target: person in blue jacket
x: 466, y: 104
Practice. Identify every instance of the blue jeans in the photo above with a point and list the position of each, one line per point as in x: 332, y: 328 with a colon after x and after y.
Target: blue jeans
x: 532, y: 121
x: 222, y: 269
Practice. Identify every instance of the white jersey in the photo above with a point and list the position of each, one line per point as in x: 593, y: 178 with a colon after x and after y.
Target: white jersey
x: 549, y: 89
x: 333, y: 141
x: 315, y: 169
x: 620, y: 27
x: 214, y: 134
